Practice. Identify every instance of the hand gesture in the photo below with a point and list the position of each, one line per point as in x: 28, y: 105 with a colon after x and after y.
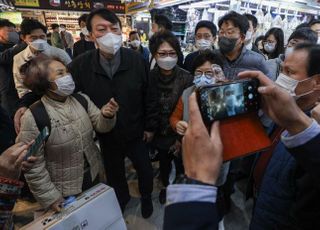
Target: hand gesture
x: 147, y: 136
x: 109, y: 110
x: 181, y: 127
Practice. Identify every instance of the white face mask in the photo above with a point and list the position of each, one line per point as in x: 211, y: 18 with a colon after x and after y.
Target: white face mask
x: 287, y: 83
x: 203, y: 80
x: 62, y: 29
x: 110, y: 43
x: 288, y: 51
x: 65, y: 85
x: 39, y: 44
x: 135, y: 43
x: 85, y: 31
x: 203, y: 44
x: 167, y: 63
x: 269, y: 47
x: 248, y: 36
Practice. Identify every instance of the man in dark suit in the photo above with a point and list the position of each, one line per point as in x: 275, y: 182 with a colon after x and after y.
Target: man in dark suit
x: 191, y: 202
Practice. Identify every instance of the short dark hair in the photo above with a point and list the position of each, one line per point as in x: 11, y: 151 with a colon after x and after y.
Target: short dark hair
x: 82, y: 18
x: 258, y: 39
x: 314, y: 21
x: 63, y: 25
x: 6, y: 23
x: 303, y: 25
x: 203, y: 57
x: 313, y: 57
x: 207, y: 24
x: 54, y: 26
x: 105, y: 14
x: 279, y: 36
x: 306, y: 34
x: 132, y: 33
x: 163, y: 21
x: 35, y: 73
x: 164, y: 36
x: 28, y: 25
x: 238, y: 21
x: 253, y: 19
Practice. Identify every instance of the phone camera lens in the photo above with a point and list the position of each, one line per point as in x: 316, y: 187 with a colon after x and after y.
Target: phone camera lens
x: 250, y: 96
x: 249, y: 87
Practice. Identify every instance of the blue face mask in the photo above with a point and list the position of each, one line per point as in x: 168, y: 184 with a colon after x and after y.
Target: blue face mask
x: 203, y: 80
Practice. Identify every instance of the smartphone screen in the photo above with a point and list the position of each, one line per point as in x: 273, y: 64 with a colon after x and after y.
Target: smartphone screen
x: 218, y: 102
x: 41, y: 138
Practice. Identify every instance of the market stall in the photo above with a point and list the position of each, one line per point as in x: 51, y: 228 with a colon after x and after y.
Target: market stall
x: 67, y: 12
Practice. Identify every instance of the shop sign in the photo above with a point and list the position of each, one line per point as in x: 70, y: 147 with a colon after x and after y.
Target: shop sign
x: 27, y: 3
x: 137, y: 6
x: 75, y: 5
x: 116, y: 7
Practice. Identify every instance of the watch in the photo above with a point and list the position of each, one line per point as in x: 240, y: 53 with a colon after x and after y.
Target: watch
x: 183, y: 179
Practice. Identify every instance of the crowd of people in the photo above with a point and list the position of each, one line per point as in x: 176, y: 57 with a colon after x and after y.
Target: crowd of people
x: 135, y: 100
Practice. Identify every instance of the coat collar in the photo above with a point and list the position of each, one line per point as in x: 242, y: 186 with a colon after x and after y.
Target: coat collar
x: 124, y: 62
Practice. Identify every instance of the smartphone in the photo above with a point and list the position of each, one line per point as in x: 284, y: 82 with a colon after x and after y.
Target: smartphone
x: 41, y: 138
x: 224, y: 100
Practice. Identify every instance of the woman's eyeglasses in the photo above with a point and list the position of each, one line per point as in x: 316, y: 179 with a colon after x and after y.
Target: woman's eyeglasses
x: 167, y: 54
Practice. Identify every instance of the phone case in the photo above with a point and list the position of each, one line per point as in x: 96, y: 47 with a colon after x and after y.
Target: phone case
x: 243, y: 135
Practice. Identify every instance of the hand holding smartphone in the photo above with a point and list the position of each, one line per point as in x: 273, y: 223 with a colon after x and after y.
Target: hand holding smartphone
x: 41, y: 138
x: 224, y: 100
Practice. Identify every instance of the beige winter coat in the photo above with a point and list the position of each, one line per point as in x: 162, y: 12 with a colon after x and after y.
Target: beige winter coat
x: 60, y: 168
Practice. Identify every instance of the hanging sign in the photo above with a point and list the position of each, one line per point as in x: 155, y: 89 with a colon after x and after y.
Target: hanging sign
x: 27, y: 3
x: 69, y: 5
x: 135, y: 7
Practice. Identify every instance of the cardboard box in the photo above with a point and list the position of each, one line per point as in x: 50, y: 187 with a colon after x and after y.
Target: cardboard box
x: 95, y: 209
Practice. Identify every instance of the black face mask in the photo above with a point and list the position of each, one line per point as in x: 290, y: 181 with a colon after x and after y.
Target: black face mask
x: 227, y: 45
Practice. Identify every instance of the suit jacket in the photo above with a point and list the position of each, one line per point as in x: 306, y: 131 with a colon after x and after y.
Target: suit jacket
x: 190, y: 216
x: 308, y: 157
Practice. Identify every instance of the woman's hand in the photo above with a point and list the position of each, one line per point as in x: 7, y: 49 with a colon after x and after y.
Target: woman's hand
x: 181, y: 127
x: 57, y: 205
x: 109, y: 110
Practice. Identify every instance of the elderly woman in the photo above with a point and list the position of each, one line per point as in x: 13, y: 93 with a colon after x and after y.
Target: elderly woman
x: 170, y: 80
x: 69, y: 162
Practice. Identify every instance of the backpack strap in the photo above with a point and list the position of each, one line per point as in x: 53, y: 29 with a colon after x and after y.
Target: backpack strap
x: 82, y: 100
x: 41, y: 116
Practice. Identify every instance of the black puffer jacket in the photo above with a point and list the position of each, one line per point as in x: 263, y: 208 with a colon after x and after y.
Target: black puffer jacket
x: 130, y: 87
